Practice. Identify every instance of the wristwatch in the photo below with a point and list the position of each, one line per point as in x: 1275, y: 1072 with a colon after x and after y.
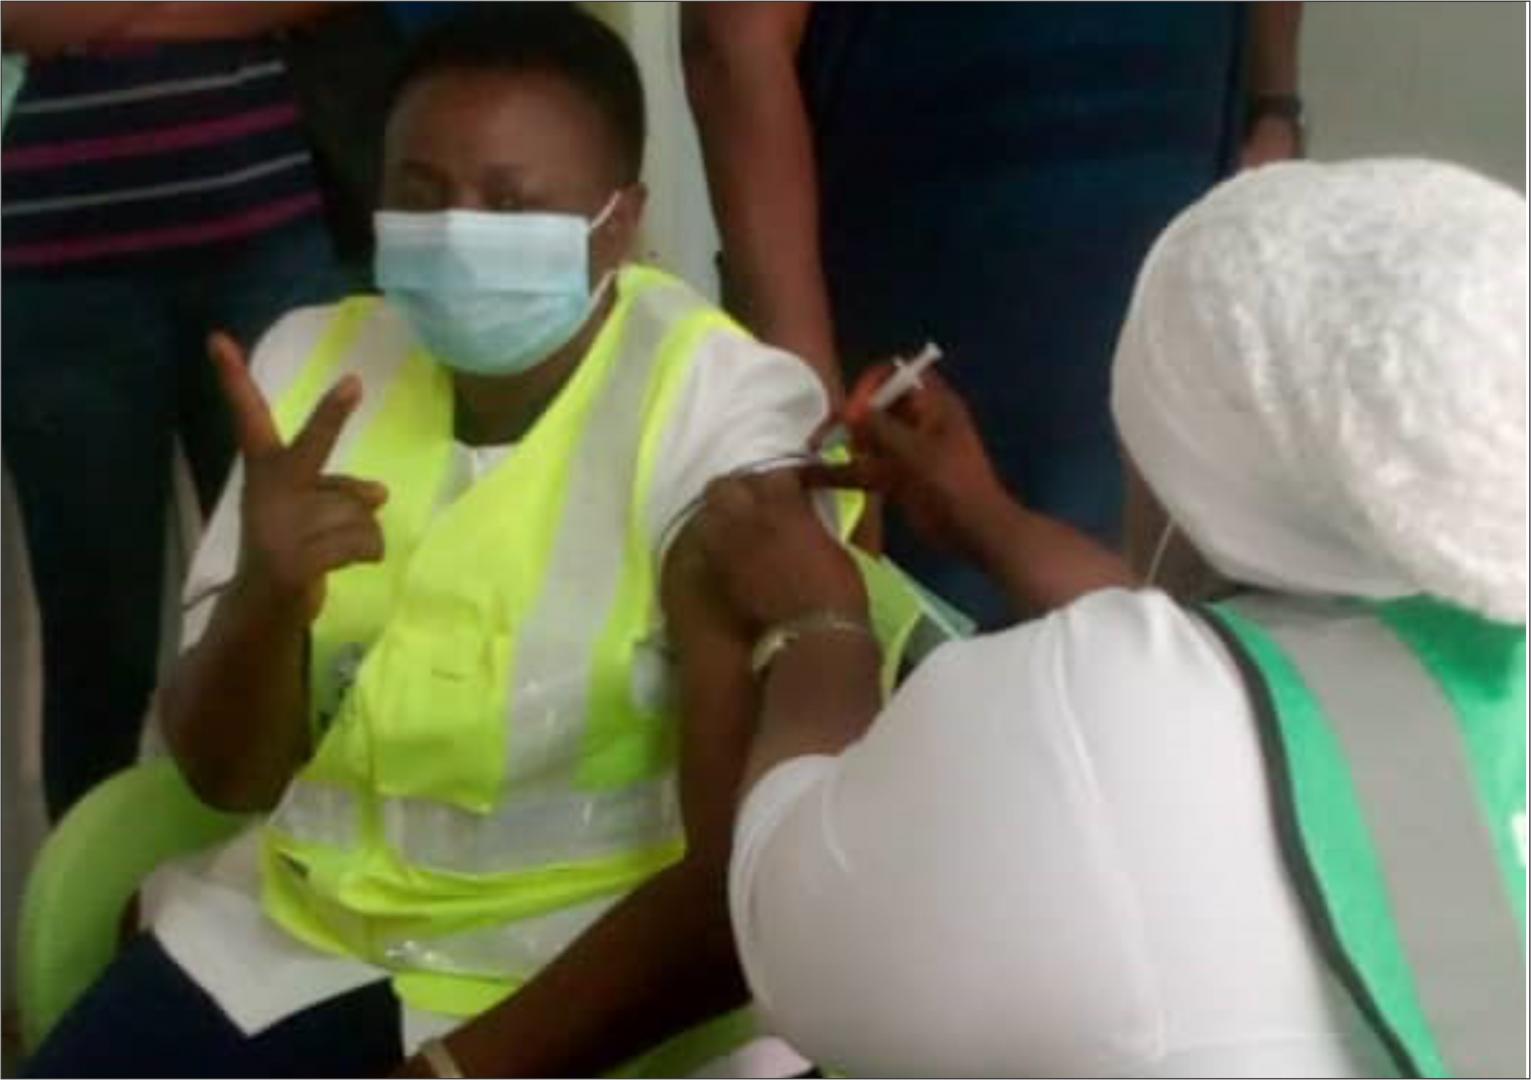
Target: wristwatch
x: 1286, y: 107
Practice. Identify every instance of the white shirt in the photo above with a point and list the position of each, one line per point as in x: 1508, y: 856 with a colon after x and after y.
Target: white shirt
x: 743, y: 403
x: 1052, y: 855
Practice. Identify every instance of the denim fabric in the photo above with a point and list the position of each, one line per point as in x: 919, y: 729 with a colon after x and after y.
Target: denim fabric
x: 145, y: 1017
x: 102, y: 369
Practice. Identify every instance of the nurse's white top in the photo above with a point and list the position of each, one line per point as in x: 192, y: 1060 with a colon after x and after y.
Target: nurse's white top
x: 1052, y: 855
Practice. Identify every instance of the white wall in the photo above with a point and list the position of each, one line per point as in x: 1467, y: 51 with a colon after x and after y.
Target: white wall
x: 1442, y: 79
x: 679, y: 233
x: 20, y: 734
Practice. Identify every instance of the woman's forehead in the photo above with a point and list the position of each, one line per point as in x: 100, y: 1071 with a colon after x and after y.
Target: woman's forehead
x: 508, y: 121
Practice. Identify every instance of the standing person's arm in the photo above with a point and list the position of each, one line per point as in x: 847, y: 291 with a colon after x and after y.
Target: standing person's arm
x: 185, y: 20
x: 741, y: 79
x: 46, y: 26
x: 43, y: 28
x: 1272, y: 48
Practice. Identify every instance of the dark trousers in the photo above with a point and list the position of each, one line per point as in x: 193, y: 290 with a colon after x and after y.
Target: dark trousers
x: 146, y: 1017
x: 102, y: 368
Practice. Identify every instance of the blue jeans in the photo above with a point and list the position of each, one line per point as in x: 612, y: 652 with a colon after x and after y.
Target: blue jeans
x: 146, y: 1017
x: 103, y: 367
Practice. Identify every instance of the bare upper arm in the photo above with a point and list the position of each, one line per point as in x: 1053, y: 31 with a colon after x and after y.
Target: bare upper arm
x: 715, y: 695
x: 218, y: 21
x: 44, y: 28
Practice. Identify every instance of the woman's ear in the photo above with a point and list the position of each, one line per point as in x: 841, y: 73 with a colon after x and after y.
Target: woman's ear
x: 618, y: 240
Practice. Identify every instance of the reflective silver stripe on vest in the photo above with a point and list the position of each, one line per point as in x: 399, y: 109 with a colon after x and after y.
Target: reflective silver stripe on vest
x: 516, y: 950
x: 530, y: 829
x: 1415, y: 787
x: 319, y: 814
x: 549, y: 698
x: 376, y: 356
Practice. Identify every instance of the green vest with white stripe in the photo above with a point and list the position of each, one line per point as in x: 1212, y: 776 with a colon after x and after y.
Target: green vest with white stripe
x: 495, y: 748
x: 1396, y: 740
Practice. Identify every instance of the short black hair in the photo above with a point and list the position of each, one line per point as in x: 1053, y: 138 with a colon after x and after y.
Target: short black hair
x: 552, y: 38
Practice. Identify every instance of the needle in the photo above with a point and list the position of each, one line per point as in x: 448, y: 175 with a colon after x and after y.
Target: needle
x: 905, y: 377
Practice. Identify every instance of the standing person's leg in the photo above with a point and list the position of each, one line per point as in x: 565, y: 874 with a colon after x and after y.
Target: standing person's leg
x: 88, y: 408
x: 146, y: 1017
x: 241, y: 288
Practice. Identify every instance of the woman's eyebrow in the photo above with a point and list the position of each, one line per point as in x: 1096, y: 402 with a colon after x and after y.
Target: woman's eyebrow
x: 419, y: 167
x: 504, y: 173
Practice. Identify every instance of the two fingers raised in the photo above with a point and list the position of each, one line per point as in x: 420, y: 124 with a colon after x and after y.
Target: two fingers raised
x: 256, y: 429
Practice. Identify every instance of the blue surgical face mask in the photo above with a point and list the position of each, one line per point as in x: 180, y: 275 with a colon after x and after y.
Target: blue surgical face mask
x: 489, y: 293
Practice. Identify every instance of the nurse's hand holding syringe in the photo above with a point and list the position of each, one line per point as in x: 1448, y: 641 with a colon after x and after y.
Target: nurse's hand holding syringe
x: 924, y: 452
x: 877, y: 390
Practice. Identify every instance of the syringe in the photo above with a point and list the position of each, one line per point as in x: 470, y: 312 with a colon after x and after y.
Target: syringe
x: 906, y: 377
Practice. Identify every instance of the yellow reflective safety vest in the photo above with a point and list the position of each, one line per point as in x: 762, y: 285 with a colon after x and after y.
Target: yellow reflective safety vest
x: 495, y: 753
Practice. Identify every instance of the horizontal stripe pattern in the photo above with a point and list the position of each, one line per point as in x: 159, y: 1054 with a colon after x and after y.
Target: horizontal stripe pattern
x: 155, y: 191
x: 171, y: 88
x: 222, y: 194
x: 159, y: 141
x: 234, y: 227
x: 146, y: 114
x: 152, y: 149
x: 150, y: 170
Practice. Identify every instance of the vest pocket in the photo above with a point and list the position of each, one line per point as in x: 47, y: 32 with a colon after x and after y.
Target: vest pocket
x: 434, y: 702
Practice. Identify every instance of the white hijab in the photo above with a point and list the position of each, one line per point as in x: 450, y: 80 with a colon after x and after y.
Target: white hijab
x: 1322, y: 376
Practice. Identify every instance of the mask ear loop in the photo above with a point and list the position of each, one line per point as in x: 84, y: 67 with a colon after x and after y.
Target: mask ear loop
x: 610, y: 275
x: 606, y: 211
x: 1159, y: 550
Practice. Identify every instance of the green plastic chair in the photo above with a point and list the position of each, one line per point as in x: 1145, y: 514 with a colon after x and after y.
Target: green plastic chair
x: 93, y: 863
x: 87, y: 872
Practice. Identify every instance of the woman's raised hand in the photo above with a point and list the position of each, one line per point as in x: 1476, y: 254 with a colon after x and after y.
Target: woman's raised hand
x: 298, y: 522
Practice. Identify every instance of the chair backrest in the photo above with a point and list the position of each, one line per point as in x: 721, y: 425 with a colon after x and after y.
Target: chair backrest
x: 86, y: 874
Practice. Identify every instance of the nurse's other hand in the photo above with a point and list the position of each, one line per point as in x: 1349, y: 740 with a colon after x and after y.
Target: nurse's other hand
x: 926, y: 455
x: 770, y: 553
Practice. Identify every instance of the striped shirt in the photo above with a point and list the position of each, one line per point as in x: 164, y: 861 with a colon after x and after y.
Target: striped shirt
x: 150, y: 149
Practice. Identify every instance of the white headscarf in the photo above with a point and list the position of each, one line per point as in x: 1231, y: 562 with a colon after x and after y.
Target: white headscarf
x: 1323, y: 378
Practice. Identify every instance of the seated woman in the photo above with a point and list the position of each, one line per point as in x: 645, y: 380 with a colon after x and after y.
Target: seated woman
x: 424, y: 629
x: 1283, y: 835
